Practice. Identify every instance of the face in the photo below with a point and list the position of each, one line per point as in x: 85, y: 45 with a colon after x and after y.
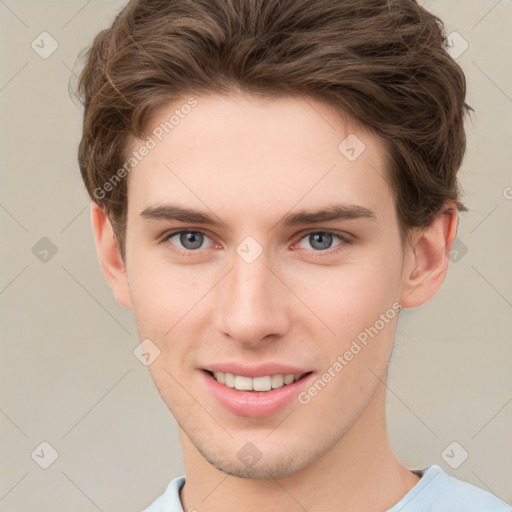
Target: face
x: 256, y: 288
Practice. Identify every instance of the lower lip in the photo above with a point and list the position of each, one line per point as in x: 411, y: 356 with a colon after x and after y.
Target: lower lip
x: 254, y: 404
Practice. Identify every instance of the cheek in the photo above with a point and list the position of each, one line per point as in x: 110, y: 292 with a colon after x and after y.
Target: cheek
x: 161, y: 294
x: 352, y: 296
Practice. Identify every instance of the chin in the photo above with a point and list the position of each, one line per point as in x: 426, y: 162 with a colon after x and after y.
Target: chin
x: 273, y: 464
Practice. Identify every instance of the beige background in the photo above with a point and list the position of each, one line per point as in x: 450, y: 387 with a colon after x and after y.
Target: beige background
x: 69, y: 376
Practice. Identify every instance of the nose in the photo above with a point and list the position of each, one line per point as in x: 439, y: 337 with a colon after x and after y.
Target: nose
x: 252, y: 303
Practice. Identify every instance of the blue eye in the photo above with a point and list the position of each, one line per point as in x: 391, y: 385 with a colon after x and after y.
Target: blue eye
x: 190, y: 240
x: 322, y: 240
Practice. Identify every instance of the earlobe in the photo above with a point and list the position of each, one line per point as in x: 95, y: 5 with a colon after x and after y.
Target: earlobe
x: 426, y: 260
x: 109, y: 256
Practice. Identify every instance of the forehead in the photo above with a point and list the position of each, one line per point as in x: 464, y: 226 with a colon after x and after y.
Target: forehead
x: 243, y: 153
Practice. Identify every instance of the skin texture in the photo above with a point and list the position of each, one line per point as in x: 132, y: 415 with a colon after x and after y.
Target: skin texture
x: 249, y: 162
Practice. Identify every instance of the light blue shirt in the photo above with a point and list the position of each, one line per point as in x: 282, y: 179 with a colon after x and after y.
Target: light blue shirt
x: 436, y: 491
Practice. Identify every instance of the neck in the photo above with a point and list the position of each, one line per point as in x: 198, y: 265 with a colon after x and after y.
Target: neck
x: 359, y: 472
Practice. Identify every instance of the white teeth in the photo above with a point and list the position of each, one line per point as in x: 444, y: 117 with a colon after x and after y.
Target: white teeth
x: 262, y: 383
x: 277, y: 381
x: 229, y: 380
x: 243, y: 383
x: 288, y: 379
x: 265, y: 383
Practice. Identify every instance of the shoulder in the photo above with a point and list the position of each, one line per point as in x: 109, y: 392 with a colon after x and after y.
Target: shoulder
x: 169, y: 501
x: 439, y: 492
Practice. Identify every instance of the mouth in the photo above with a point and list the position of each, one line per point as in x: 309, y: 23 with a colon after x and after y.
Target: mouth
x: 261, y: 384
x: 255, y: 397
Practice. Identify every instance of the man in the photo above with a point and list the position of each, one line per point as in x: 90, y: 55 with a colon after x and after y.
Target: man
x: 272, y: 183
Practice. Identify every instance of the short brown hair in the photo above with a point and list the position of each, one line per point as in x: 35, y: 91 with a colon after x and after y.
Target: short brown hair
x: 383, y: 62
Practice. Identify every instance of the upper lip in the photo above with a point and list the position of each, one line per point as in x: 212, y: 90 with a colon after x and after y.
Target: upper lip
x: 259, y: 370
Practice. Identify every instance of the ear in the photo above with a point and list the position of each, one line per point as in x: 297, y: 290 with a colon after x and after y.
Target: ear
x: 109, y: 255
x: 426, y: 259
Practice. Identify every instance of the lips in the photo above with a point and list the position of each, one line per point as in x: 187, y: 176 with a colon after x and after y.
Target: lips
x: 255, y: 403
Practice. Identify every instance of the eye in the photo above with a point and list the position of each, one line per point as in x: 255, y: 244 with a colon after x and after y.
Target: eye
x: 189, y: 240
x: 323, y: 240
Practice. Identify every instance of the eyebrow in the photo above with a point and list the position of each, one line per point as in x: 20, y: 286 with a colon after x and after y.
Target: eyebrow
x: 329, y: 213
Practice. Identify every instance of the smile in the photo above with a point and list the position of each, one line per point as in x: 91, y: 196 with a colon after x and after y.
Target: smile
x: 264, y: 383
x: 255, y: 397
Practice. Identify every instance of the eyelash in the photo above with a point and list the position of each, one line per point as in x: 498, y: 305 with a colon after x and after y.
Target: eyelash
x: 345, y: 240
